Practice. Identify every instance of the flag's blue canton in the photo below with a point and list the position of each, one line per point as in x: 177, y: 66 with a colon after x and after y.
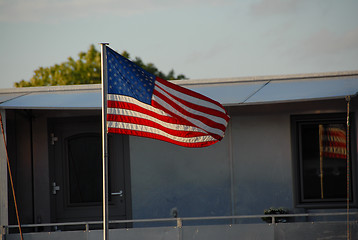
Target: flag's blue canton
x: 126, y: 78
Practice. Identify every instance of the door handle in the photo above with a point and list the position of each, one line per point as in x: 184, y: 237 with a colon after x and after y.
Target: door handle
x: 120, y: 193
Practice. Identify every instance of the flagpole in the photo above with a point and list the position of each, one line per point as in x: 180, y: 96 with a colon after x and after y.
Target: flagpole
x: 104, y: 140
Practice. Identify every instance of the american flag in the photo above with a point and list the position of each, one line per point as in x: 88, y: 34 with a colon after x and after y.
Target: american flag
x: 141, y: 104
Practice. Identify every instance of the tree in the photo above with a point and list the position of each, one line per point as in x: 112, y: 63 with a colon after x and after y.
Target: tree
x: 85, y: 70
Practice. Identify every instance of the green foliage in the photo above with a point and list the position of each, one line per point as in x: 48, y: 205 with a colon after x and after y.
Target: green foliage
x: 274, y: 211
x: 85, y: 70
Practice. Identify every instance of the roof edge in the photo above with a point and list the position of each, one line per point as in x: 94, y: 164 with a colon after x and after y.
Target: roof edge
x: 83, y: 87
x: 267, y: 78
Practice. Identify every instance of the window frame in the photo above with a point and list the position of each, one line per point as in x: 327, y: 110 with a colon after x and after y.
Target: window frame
x: 296, y: 122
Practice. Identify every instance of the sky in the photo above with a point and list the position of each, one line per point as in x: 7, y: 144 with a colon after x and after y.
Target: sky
x: 201, y: 39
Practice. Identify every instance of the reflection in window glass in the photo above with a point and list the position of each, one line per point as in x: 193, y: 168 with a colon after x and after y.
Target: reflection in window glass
x: 323, y: 161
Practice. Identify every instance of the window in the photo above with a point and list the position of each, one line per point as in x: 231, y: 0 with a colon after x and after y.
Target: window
x: 320, y: 154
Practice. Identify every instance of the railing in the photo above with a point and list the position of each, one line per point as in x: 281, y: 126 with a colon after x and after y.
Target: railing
x: 178, y: 222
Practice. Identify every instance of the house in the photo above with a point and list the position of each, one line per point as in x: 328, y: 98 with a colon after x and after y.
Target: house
x: 270, y: 157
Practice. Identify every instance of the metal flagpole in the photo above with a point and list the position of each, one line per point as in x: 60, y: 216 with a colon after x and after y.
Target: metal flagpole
x: 348, y: 99
x: 104, y: 140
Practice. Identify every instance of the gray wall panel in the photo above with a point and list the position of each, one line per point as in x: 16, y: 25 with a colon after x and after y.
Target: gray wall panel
x: 230, y: 232
x: 317, y: 230
x: 164, y: 176
x: 262, y: 162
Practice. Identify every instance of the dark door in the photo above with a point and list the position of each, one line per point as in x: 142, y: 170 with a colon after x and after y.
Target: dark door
x: 76, y: 171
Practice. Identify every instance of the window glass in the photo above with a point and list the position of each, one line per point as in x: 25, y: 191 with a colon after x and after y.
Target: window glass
x: 84, y: 163
x: 321, y: 159
x: 324, y: 166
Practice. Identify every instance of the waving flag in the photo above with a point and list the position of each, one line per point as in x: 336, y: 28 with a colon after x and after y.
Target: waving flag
x: 141, y: 104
